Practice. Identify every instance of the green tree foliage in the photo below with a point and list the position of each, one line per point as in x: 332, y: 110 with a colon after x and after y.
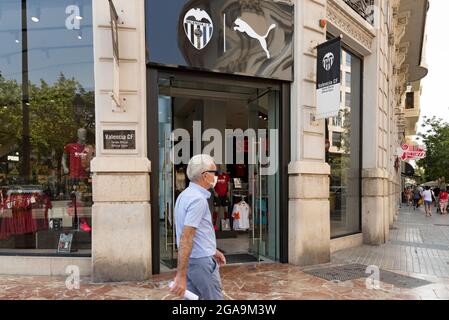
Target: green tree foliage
x: 436, y: 140
x: 54, y: 118
x: 10, y: 111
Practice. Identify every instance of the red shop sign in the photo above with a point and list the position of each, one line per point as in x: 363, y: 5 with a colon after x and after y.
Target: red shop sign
x: 412, y: 152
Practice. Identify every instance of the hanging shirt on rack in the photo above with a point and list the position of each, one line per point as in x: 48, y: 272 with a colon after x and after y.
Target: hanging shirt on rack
x: 222, y: 184
x: 240, y: 214
x: 240, y: 170
x: 180, y: 180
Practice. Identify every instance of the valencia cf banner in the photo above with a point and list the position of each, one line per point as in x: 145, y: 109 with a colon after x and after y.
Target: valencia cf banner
x: 328, y: 79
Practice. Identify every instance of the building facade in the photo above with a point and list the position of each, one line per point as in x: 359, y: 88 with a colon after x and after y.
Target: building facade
x: 93, y: 116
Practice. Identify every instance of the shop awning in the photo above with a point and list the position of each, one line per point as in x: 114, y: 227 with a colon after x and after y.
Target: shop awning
x: 409, y: 170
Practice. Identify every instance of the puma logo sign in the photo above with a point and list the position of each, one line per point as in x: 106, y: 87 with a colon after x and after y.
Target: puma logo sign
x: 244, y: 27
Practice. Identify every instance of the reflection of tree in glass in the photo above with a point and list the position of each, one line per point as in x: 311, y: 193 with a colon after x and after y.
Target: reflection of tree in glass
x: 54, y: 120
x: 346, y: 135
x: 10, y: 111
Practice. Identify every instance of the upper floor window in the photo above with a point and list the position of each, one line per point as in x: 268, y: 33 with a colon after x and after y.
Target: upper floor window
x: 410, y: 100
x: 365, y: 8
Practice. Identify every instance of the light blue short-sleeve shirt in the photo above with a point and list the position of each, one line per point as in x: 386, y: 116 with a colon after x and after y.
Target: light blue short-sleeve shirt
x: 192, y: 209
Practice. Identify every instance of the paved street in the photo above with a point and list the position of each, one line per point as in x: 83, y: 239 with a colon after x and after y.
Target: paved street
x: 418, y: 254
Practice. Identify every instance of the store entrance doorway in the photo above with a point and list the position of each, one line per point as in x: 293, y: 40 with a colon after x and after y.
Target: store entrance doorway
x: 245, y: 203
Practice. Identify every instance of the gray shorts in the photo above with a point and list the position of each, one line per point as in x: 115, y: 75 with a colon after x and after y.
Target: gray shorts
x: 203, y: 278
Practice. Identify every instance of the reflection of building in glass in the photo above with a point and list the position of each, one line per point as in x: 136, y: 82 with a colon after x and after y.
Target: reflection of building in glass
x: 343, y: 154
x: 336, y: 125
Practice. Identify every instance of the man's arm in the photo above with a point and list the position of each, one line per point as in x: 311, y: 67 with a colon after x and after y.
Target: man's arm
x: 185, y: 249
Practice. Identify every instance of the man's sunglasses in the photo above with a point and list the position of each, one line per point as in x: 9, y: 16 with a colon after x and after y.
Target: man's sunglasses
x: 215, y: 172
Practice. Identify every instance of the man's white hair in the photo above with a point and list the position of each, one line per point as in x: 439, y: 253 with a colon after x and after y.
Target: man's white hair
x: 198, y: 164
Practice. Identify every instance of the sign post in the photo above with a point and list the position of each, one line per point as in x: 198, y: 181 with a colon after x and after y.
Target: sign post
x: 119, y: 139
x: 115, y: 94
x: 65, y: 243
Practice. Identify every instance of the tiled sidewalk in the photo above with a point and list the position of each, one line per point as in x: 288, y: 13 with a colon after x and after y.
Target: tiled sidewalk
x: 417, y: 249
x: 417, y: 244
x: 249, y: 282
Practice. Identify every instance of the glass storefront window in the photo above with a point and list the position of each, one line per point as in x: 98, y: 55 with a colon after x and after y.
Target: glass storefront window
x: 344, y: 155
x: 47, y: 127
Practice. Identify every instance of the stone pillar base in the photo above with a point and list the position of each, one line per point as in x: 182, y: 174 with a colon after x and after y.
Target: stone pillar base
x: 375, y: 207
x: 309, y: 223
x: 121, y: 214
x: 121, y: 241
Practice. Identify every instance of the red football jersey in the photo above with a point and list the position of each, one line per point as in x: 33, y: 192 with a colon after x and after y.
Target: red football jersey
x: 77, y: 153
x: 222, y: 184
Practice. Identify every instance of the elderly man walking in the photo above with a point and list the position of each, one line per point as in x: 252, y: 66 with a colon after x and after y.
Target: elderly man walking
x: 198, y: 257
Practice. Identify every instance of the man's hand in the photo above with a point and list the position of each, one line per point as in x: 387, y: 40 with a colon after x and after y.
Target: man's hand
x: 220, y: 258
x: 179, y: 286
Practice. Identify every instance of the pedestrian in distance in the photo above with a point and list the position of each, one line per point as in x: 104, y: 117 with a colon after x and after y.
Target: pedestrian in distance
x: 428, y: 196
x: 416, y: 198
x: 409, y: 196
x: 444, y: 197
x: 436, y: 192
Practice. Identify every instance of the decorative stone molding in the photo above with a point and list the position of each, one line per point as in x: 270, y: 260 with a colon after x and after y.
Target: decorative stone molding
x: 344, y: 18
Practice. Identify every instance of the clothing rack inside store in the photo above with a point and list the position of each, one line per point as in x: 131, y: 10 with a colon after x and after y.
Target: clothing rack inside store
x: 23, y: 190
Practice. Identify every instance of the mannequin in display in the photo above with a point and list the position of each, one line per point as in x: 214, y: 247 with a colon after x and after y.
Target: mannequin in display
x: 77, y: 154
x: 221, y: 199
x: 180, y: 179
x: 80, y: 154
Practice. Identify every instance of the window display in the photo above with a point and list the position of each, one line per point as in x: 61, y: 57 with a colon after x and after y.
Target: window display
x: 47, y: 121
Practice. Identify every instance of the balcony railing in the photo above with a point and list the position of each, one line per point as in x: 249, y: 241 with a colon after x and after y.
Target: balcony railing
x: 365, y: 9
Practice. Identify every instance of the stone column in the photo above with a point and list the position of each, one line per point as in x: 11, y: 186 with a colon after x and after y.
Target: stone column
x: 121, y: 232
x: 309, y: 223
